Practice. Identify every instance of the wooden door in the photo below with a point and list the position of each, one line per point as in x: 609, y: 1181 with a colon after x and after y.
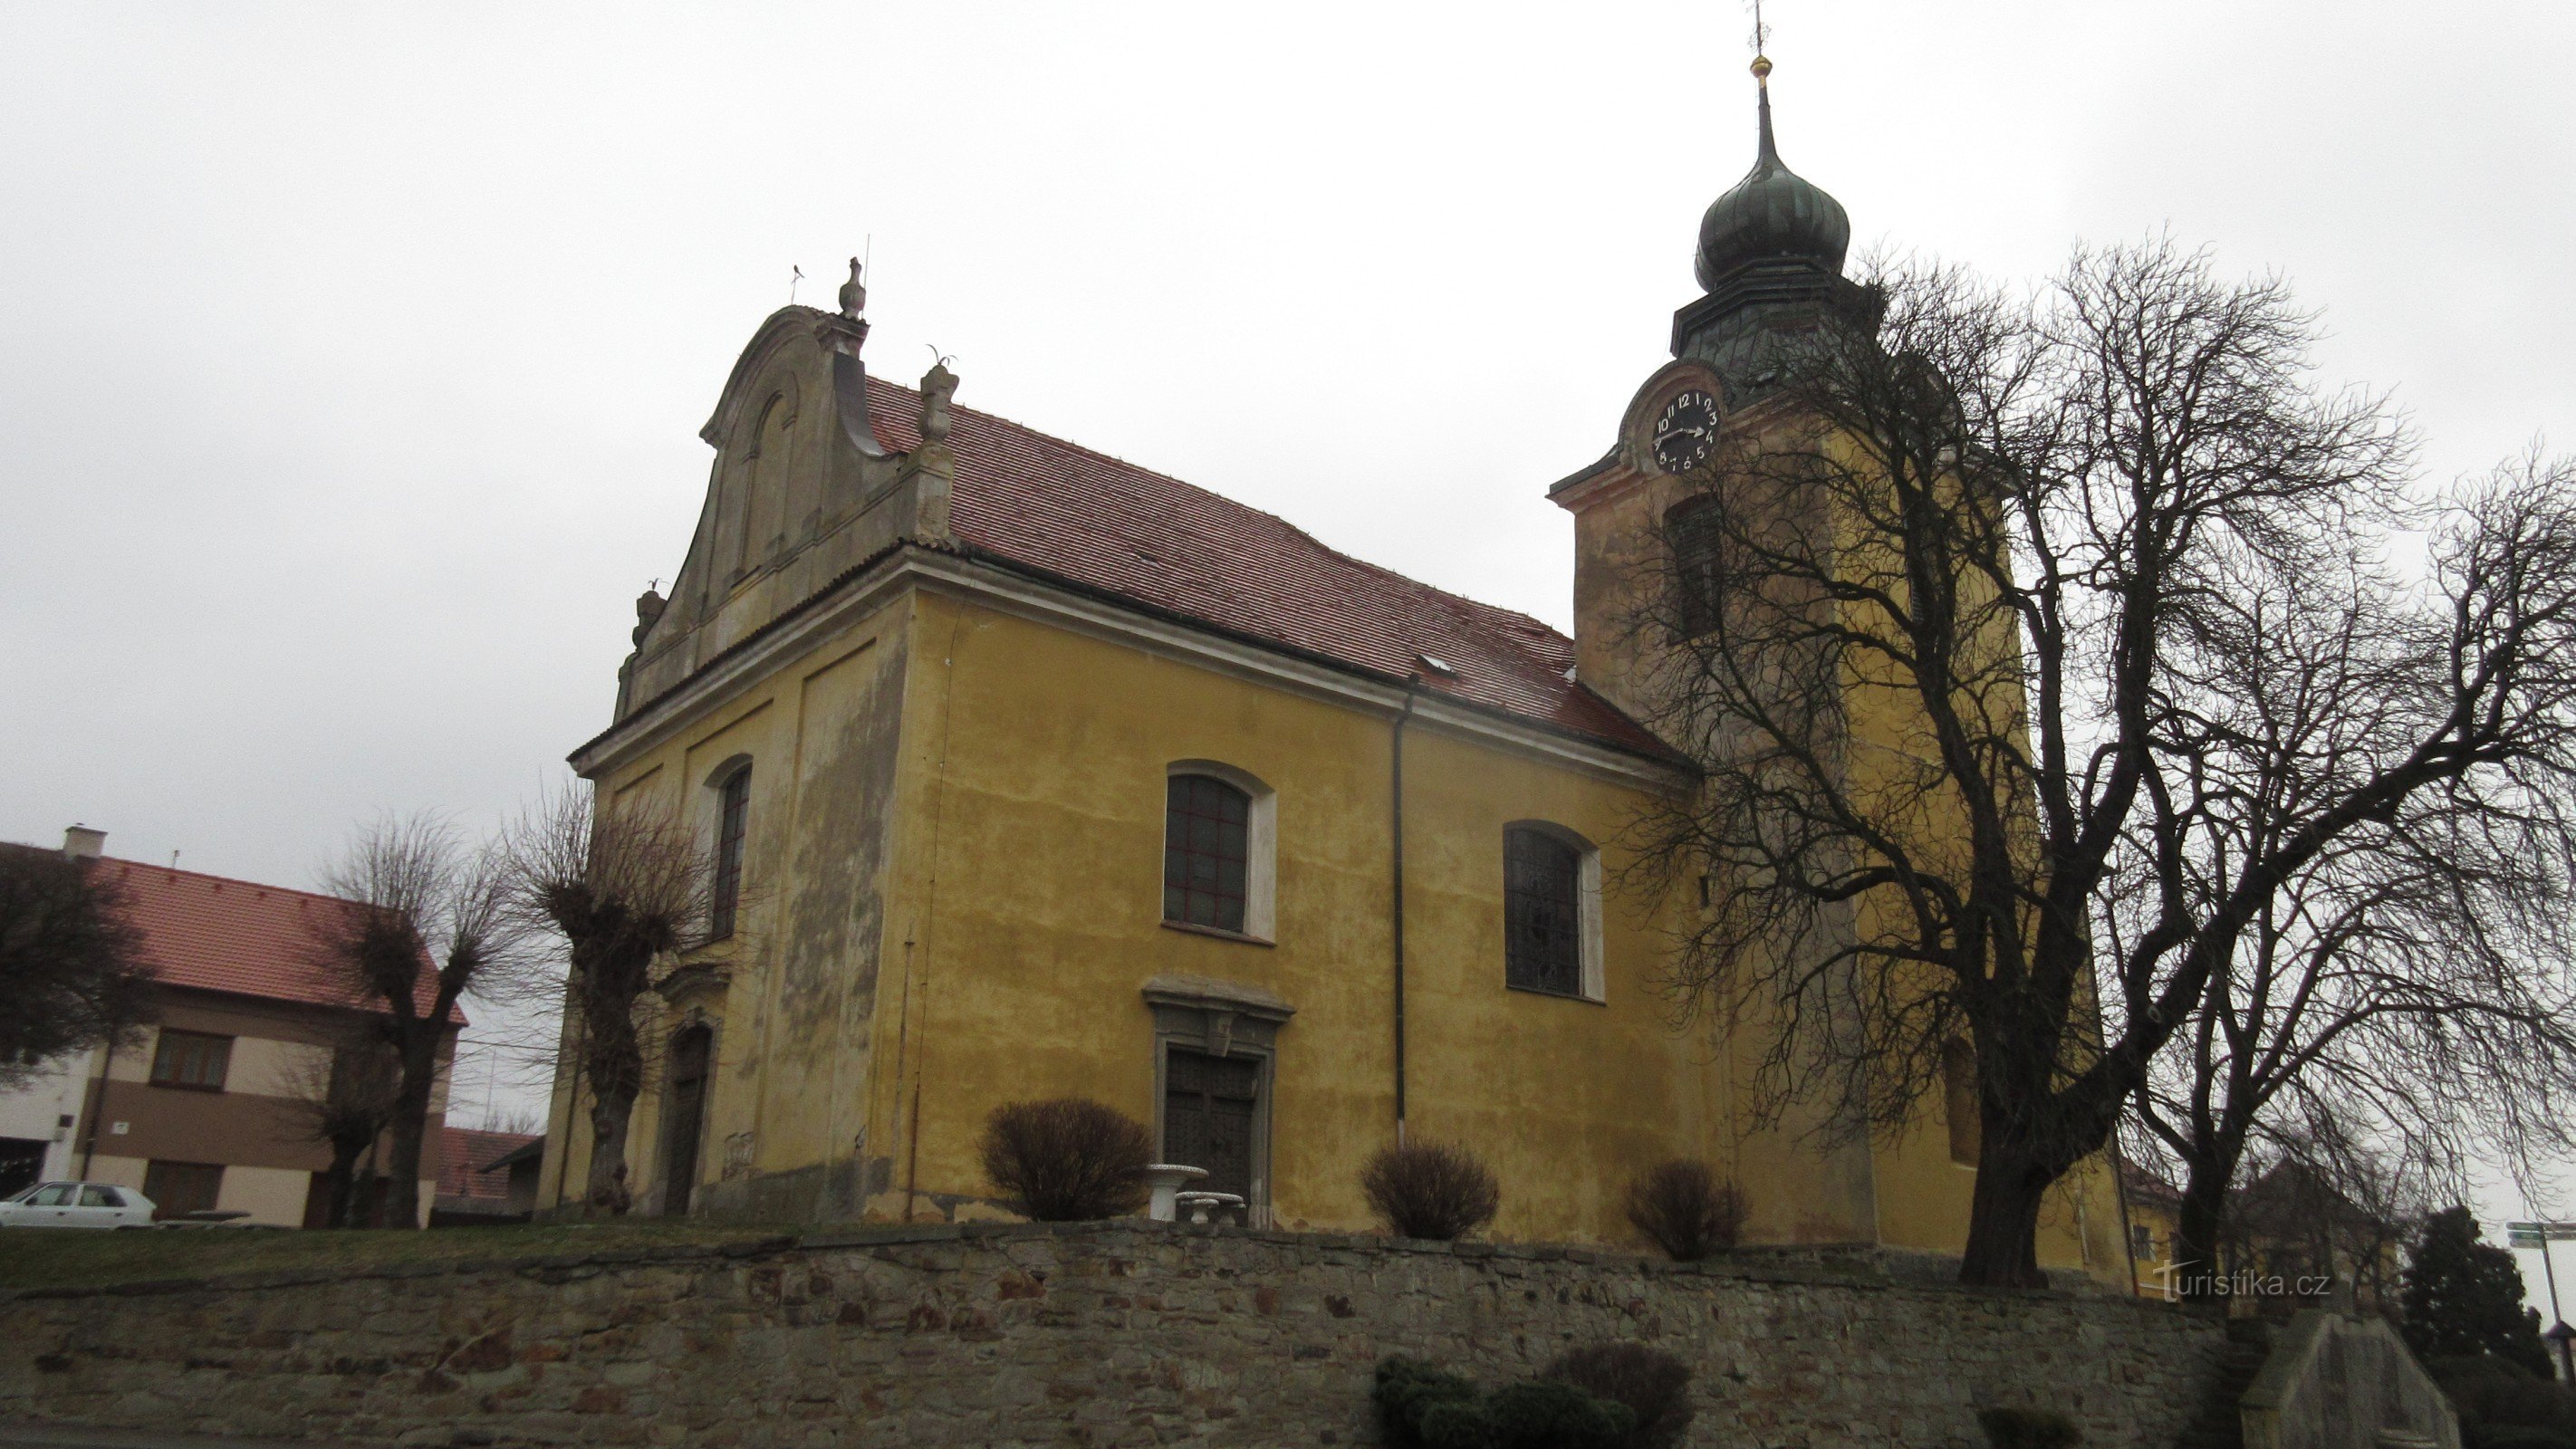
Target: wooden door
x: 1209, y: 1106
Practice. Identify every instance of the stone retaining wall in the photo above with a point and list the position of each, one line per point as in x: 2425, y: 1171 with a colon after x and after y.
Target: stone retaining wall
x: 1129, y: 1334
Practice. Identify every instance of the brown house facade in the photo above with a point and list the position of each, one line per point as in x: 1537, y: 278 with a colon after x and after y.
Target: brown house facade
x: 202, y: 1110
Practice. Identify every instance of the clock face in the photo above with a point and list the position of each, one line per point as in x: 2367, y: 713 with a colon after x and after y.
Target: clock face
x: 1685, y: 431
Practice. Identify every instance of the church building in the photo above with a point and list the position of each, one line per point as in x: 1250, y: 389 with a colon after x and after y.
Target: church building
x: 1028, y: 773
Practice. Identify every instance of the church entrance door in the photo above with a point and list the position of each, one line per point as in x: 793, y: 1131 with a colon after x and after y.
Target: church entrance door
x: 688, y: 1099
x: 1208, y: 1116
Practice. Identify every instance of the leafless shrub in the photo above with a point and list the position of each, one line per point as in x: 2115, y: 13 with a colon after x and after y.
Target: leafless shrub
x: 1684, y: 1209
x: 1067, y: 1160
x: 623, y: 886
x: 1652, y: 1383
x: 1431, y: 1190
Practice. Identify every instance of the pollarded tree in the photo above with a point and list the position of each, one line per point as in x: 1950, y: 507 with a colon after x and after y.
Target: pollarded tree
x: 425, y: 925
x: 624, y: 887
x: 1956, y: 630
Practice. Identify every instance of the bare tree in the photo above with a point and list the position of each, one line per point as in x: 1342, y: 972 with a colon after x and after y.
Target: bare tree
x: 345, y: 1097
x: 426, y: 924
x: 2408, y: 987
x: 71, y: 963
x: 1958, y: 633
x: 624, y: 886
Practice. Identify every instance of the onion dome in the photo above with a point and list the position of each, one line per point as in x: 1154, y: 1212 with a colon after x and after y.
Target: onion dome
x: 1772, y: 214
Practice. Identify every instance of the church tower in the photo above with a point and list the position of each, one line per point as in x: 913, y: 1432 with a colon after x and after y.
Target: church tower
x: 1770, y: 267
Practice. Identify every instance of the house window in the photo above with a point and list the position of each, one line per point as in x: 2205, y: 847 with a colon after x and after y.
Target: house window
x: 2142, y: 1241
x: 733, y: 806
x: 191, y: 1059
x: 1551, y: 912
x: 182, y: 1187
x: 1959, y: 1102
x: 1207, y: 859
x: 1698, y: 575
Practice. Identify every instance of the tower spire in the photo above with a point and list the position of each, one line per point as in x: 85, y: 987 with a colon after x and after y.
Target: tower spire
x: 1769, y: 154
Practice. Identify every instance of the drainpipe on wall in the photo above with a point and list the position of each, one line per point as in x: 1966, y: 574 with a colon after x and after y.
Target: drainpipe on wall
x: 1396, y: 793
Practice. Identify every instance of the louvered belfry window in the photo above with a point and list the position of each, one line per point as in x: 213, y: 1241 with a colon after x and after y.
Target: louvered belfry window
x: 1698, y: 569
x: 1542, y: 913
x: 1206, y: 862
x: 732, y: 814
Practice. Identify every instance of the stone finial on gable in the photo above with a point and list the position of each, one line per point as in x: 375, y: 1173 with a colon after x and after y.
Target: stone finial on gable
x: 648, y: 611
x: 936, y: 386
x: 854, y: 293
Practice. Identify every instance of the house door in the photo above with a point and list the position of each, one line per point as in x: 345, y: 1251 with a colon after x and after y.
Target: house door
x: 689, y: 1052
x: 1208, y: 1116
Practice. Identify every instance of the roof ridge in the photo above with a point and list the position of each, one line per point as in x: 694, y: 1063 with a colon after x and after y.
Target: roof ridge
x: 226, y: 879
x: 1282, y: 520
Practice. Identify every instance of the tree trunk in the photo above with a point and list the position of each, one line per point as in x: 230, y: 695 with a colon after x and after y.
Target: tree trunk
x: 340, y: 1184
x: 409, y: 1132
x: 2003, y: 1221
x: 2198, y: 1227
x: 609, y: 1114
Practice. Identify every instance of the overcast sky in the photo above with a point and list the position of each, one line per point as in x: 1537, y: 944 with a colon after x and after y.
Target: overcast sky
x: 352, y: 357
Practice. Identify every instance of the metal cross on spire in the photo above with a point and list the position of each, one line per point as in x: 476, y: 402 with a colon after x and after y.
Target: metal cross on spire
x: 1761, y: 49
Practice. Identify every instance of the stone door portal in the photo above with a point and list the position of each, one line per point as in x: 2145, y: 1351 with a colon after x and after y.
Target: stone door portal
x: 1208, y: 1114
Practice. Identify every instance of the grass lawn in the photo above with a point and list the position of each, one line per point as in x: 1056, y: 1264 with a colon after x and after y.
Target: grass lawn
x: 70, y: 1258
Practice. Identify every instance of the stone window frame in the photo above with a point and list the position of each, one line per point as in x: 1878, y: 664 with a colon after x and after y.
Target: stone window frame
x: 1222, y: 1019
x: 1260, y: 852
x: 1591, y: 958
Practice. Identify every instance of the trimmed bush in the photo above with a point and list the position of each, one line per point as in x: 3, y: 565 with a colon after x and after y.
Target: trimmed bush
x: 1545, y: 1414
x: 1684, y: 1209
x: 1422, y: 1407
x: 1068, y: 1160
x: 2029, y: 1429
x: 1431, y: 1190
x: 1653, y: 1385
x: 1416, y: 1402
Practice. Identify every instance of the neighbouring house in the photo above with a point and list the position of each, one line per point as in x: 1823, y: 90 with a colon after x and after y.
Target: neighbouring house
x: 477, y: 1172
x: 2289, y: 1234
x: 200, y: 1110
x: 1026, y: 772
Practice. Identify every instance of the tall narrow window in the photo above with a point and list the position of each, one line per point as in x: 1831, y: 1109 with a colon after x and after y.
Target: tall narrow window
x: 1698, y: 576
x: 1542, y: 913
x: 1959, y: 1103
x: 1206, y: 854
x: 734, y: 804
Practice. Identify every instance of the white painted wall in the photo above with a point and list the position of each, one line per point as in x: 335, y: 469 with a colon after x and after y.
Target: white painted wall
x: 47, y: 1109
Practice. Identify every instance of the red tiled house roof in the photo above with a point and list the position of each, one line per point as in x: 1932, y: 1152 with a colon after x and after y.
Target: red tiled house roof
x: 1061, y: 511
x: 218, y: 934
x: 465, y: 1158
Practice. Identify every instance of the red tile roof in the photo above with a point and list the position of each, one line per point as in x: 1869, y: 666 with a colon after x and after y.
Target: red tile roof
x: 465, y: 1157
x: 1061, y: 510
x: 218, y: 934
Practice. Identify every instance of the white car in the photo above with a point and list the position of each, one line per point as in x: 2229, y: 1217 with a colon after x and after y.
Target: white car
x: 77, y: 1205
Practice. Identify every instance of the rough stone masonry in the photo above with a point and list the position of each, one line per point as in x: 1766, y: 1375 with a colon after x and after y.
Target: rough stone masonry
x: 1123, y: 1334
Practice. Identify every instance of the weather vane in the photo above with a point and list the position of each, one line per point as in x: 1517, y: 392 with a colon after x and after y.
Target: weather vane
x: 795, y: 274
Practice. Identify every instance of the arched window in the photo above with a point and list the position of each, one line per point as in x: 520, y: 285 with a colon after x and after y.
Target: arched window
x: 1693, y: 528
x: 1207, y: 852
x: 1551, y: 913
x: 733, y: 807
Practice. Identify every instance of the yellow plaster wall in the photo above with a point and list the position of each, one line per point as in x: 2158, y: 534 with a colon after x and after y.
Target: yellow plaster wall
x: 1036, y: 776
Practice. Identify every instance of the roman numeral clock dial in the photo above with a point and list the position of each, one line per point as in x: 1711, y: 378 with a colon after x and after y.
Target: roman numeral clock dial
x: 1685, y: 431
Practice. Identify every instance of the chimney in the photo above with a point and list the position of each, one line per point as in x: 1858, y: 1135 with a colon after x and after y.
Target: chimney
x: 82, y: 843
